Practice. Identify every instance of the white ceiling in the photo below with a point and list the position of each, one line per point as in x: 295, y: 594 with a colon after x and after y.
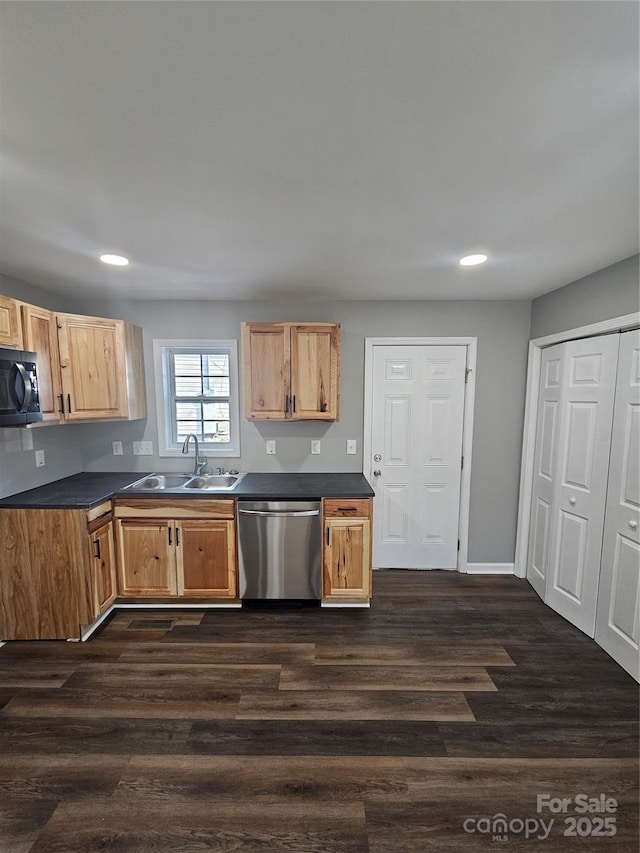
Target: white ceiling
x: 317, y: 150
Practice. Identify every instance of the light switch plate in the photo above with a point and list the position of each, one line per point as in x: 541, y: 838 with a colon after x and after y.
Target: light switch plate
x: 39, y: 458
x: 315, y: 447
x: 117, y: 448
x: 143, y: 448
x: 351, y: 446
x: 270, y: 447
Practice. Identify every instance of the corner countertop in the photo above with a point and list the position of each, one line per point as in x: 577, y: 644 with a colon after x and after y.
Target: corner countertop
x: 85, y: 490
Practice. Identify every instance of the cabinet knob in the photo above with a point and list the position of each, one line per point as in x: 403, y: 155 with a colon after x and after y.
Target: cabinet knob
x: 633, y: 524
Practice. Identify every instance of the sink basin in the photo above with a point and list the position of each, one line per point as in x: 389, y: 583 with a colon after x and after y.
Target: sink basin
x: 215, y: 482
x: 181, y: 482
x: 162, y: 481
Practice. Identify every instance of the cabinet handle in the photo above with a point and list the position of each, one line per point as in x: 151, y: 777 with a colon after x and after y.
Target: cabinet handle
x: 286, y: 404
x: 169, y: 532
x: 294, y: 404
x: 61, y: 401
x: 97, y: 555
x: 177, y: 537
x: 69, y: 402
x: 347, y: 509
x: 328, y: 535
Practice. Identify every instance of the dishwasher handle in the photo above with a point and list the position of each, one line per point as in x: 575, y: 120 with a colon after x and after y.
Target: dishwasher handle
x: 279, y: 513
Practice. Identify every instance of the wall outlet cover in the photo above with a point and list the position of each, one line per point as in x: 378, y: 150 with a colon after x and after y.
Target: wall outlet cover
x: 39, y: 458
x: 117, y: 448
x: 315, y: 447
x: 351, y: 446
x: 143, y: 448
x: 270, y: 447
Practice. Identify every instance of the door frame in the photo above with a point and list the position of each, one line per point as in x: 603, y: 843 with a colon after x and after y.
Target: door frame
x: 471, y: 345
x: 536, y: 345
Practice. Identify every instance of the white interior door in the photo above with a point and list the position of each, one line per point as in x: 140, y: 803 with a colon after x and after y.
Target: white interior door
x: 545, y: 466
x: 416, y: 454
x: 588, y: 388
x: 618, y: 605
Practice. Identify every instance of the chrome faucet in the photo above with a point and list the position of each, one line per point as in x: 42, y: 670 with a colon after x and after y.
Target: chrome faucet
x: 200, y: 462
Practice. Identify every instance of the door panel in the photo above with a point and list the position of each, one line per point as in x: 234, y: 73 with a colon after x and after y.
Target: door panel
x: 146, y: 557
x: 544, y: 467
x: 346, y: 558
x: 417, y: 420
x: 266, y: 366
x: 40, y: 335
x: 206, y: 558
x: 618, y: 595
x: 314, y: 372
x: 104, y: 567
x: 586, y: 413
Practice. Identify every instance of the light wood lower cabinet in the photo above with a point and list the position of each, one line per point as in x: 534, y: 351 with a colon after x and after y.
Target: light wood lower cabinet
x: 347, y: 551
x: 52, y: 580
x: 185, y: 548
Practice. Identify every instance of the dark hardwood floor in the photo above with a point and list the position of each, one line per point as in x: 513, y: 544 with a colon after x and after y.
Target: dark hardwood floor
x: 422, y: 724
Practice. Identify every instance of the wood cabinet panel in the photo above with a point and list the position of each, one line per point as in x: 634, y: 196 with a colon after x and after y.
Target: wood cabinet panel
x: 146, y: 557
x: 315, y: 359
x: 170, y: 508
x: 104, y: 568
x: 206, y: 558
x: 347, y: 566
x: 351, y: 508
x: 291, y: 371
x: 40, y: 336
x: 10, y: 328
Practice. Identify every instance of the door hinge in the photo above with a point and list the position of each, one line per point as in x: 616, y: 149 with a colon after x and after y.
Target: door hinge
x: 467, y: 371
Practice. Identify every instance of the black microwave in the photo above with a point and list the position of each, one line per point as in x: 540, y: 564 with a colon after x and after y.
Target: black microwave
x: 19, y: 399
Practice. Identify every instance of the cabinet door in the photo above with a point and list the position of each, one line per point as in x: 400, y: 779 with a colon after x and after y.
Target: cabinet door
x: 266, y: 371
x: 146, y: 557
x: 40, y: 336
x: 347, y: 559
x: 314, y: 372
x: 206, y: 558
x: 10, y: 330
x: 92, y: 366
x: 104, y: 567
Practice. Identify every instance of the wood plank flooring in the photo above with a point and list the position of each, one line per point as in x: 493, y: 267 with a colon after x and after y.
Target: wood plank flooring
x: 408, y: 727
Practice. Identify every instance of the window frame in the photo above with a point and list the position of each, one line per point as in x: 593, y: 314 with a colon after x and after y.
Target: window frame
x: 163, y: 382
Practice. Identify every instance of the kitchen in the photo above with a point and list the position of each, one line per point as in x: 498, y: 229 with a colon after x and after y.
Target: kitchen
x: 557, y: 293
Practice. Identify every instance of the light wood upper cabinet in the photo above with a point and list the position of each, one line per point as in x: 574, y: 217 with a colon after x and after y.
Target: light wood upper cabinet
x: 180, y: 549
x: 347, y: 551
x: 10, y: 328
x: 40, y: 336
x: 291, y: 371
x: 101, y: 368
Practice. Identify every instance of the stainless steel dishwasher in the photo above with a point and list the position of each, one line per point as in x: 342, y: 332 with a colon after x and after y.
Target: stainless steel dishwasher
x: 280, y: 545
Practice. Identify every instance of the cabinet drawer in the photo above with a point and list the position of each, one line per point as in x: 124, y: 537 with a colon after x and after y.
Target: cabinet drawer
x: 167, y: 508
x: 360, y: 508
x: 96, y: 512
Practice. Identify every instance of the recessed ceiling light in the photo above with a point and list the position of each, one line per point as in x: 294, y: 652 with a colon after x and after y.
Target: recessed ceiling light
x: 114, y: 260
x: 472, y: 260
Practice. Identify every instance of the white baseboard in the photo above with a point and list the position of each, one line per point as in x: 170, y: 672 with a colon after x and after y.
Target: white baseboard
x: 490, y: 568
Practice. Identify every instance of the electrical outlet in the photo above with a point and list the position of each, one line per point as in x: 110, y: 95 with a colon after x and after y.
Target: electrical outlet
x: 117, y: 448
x: 143, y: 448
x: 351, y: 446
x: 315, y: 447
x: 39, y: 458
x: 270, y: 447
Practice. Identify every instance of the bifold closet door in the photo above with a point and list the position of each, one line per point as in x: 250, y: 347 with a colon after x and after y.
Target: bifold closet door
x: 544, y: 467
x: 584, y: 442
x: 618, y: 606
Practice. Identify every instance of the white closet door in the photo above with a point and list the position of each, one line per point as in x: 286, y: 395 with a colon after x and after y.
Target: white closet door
x: 617, y: 614
x: 544, y: 467
x: 588, y: 389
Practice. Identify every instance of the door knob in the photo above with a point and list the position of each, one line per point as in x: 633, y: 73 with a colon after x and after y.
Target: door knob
x: 377, y: 473
x: 572, y: 501
x: 633, y: 524
x: 377, y: 458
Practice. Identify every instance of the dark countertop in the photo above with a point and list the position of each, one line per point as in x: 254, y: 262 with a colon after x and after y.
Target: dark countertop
x: 82, y: 491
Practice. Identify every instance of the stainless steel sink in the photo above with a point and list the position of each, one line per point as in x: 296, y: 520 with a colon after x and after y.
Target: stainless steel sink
x: 181, y: 482
x: 215, y: 482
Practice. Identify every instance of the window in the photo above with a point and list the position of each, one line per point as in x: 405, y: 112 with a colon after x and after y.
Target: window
x: 197, y: 392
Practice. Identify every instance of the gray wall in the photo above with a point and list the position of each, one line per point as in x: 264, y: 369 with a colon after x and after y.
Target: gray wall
x: 502, y: 331
x: 611, y: 292
x: 63, y: 455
